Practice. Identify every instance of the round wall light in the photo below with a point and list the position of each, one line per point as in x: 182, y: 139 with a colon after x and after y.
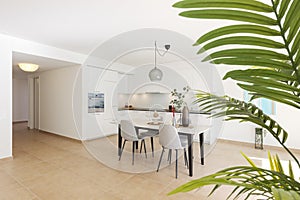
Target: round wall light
x: 28, y: 67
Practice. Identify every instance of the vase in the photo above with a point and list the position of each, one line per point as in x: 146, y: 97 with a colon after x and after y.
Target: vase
x: 185, y: 116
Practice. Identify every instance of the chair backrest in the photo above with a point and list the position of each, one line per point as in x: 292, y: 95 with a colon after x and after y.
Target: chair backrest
x: 168, y: 137
x: 128, y: 131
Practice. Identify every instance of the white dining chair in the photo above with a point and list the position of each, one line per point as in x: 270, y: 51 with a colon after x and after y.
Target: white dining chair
x: 151, y: 135
x: 169, y: 139
x: 128, y: 133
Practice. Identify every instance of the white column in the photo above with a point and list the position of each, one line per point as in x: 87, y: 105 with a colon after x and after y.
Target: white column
x: 5, y: 98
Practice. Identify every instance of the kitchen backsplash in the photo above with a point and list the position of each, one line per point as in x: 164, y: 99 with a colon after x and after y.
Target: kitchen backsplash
x: 145, y: 100
x: 149, y: 100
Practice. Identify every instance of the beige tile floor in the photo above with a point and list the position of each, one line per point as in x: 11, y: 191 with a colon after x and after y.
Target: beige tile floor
x: 50, y: 167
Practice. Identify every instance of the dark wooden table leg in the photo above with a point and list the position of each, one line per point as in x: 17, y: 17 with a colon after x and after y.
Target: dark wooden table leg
x: 201, y: 148
x: 152, y: 146
x: 119, y: 140
x: 190, y: 154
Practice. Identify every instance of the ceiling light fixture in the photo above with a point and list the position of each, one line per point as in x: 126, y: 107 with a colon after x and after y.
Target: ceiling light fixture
x: 28, y: 67
x: 156, y: 74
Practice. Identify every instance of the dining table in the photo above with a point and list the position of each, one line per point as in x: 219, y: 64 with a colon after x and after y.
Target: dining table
x: 190, y: 132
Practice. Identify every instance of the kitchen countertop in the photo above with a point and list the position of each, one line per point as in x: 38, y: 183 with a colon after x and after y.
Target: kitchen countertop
x: 162, y: 110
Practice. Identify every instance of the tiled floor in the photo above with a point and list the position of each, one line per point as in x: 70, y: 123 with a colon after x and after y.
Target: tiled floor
x: 46, y: 166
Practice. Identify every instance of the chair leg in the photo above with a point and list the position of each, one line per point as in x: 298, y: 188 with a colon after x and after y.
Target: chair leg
x: 162, y: 153
x: 133, y: 149
x: 185, y: 159
x: 170, y: 156
x: 145, y: 148
x: 141, y: 146
x: 176, y: 166
x: 122, y: 149
x: 152, y: 146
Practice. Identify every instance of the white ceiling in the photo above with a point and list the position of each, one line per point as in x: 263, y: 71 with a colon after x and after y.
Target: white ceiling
x: 81, y: 25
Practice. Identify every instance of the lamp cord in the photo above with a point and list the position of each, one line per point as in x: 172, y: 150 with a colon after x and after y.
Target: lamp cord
x: 161, y: 54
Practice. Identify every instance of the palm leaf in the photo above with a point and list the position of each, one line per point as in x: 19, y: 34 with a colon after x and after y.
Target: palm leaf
x: 241, y: 28
x: 278, y: 79
x: 230, y: 14
x: 294, y: 8
x: 261, y: 73
x: 269, y: 83
x: 285, y: 17
x: 276, y: 95
x: 280, y: 194
x: 283, y: 8
x: 245, y: 4
x: 293, y: 30
x: 250, y: 61
x: 296, y: 44
x: 272, y: 164
x: 278, y: 164
x: 277, y: 98
x: 241, y: 52
x: 297, y: 59
x: 234, y: 109
x: 253, y: 180
x: 242, y: 40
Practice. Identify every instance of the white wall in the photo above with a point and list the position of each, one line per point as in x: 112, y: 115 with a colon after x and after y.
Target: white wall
x: 90, y: 128
x: 20, y: 100
x: 6, y: 98
x: 96, y: 125
x: 56, y: 97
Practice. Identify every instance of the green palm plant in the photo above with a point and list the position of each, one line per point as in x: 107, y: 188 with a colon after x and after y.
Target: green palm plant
x: 275, y: 42
x: 252, y: 181
x: 268, y: 36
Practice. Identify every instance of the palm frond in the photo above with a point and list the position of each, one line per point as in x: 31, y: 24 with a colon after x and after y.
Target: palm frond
x: 234, y: 109
x: 278, y: 79
x: 289, y: 14
x: 245, y: 4
x: 252, y: 181
x: 240, y: 28
x: 254, y: 53
x: 243, y: 40
x: 282, y: 27
x: 280, y: 194
x: 272, y: 165
x: 253, y: 61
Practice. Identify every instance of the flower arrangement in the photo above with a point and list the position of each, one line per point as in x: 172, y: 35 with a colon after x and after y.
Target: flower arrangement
x: 178, y: 98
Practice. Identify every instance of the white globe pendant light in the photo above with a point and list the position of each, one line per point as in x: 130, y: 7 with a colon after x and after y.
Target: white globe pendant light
x: 156, y: 74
